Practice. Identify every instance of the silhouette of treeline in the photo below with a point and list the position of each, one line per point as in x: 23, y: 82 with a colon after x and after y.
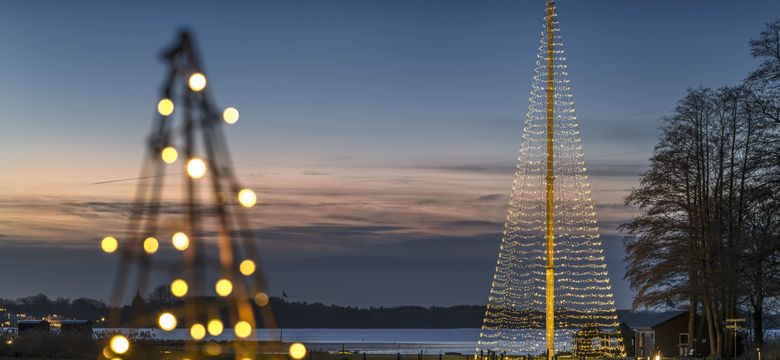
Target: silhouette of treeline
x: 293, y: 315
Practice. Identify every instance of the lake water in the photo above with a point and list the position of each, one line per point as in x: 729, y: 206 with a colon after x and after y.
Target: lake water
x: 405, y: 341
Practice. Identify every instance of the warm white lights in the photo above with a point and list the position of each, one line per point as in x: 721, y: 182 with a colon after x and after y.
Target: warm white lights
x: 247, y: 198
x: 179, y: 288
x: 109, y: 244
x: 169, y: 155
x: 180, y: 241
x: 223, y: 287
x: 197, y: 82
x: 167, y: 321
x: 297, y: 351
x: 165, y: 107
x: 215, y: 327
x: 261, y: 299
x: 196, y: 168
x: 151, y: 245
x: 515, y: 318
x: 247, y: 267
x: 242, y: 329
x: 230, y: 115
x: 198, y: 331
x: 119, y: 344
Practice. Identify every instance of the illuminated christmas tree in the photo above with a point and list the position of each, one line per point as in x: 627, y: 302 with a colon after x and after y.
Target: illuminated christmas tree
x: 214, y: 274
x: 551, y: 289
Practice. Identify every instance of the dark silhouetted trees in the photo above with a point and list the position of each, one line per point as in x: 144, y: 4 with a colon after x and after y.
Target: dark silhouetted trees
x: 707, y: 233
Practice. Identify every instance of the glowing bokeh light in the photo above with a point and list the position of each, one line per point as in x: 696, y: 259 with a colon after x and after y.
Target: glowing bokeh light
x: 169, y: 155
x: 151, y: 245
x: 215, y: 327
x: 261, y: 299
x: 179, y: 288
x: 109, y: 244
x: 223, y: 287
x: 212, y: 349
x: 167, y: 321
x: 247, y: 197
x: 297, y: 351
x: 197, y: 82
x: 165, y: 107
x: 196, y: 168
x: 107, y: 353
x: 242, y: 329
x: 247, y: 267
x: 119, y: 344
x: 230, y: 115
x: 180, y: 241
x: 198, y: 331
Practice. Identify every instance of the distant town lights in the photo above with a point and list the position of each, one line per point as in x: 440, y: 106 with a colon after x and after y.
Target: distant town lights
x: 169, y: 155
x: 180, y: 241
x: 215, y: 327
x: 230, y: 115
x: 109, y: 244
x: 167, y: 321
x: 297, y: 351
x: 223, y: 287
x: 247, y: 267
x: 196, y: 168
x: 198, y: 331
x: 247, y: 197
x: 119, y: 344
x: 197, y: 82
x: 242, y: 329
x: 179, y: 288
x: 151, y: 245
x: 165, y: 107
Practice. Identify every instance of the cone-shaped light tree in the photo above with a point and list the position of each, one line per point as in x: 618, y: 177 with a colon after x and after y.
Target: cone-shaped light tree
x: 202, y: 240
x: 551, y: 289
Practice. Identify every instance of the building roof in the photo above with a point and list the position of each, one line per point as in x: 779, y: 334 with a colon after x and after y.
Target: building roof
x: 646, y: 319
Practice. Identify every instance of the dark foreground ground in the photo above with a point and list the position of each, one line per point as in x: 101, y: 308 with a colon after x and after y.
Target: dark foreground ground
x: 59, y: 346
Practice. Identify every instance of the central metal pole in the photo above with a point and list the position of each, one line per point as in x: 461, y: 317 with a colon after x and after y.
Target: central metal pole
x: 550, y: 266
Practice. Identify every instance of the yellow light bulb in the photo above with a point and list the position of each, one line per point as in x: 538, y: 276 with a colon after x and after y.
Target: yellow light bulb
x: 180, y: 241
x: 165, y: 107
x: 151, y: 245
x: 169, y: 155
x: 109, y: 244
x: 196, y: 168
x: 119, y: 344
x: 223, y: 287
x: 107, y: 353
x: 247, y: 267
x: 198, y: 331
x: 197, y: 82
x: 297, y: 351
x: 212, y: 349
x: 230, y: 115
x: 247, y: 197
x: 242, y: 329
x: 261, y: 299
x: 215, y: 327
x: 167, y: 321
x: 179, y: 288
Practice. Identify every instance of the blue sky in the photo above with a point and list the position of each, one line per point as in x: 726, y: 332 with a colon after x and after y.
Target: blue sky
x: 407, y: 111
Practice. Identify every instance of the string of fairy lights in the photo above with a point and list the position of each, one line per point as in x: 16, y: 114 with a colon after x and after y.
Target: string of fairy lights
x: 187, y: 134
x: 585, y: 316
